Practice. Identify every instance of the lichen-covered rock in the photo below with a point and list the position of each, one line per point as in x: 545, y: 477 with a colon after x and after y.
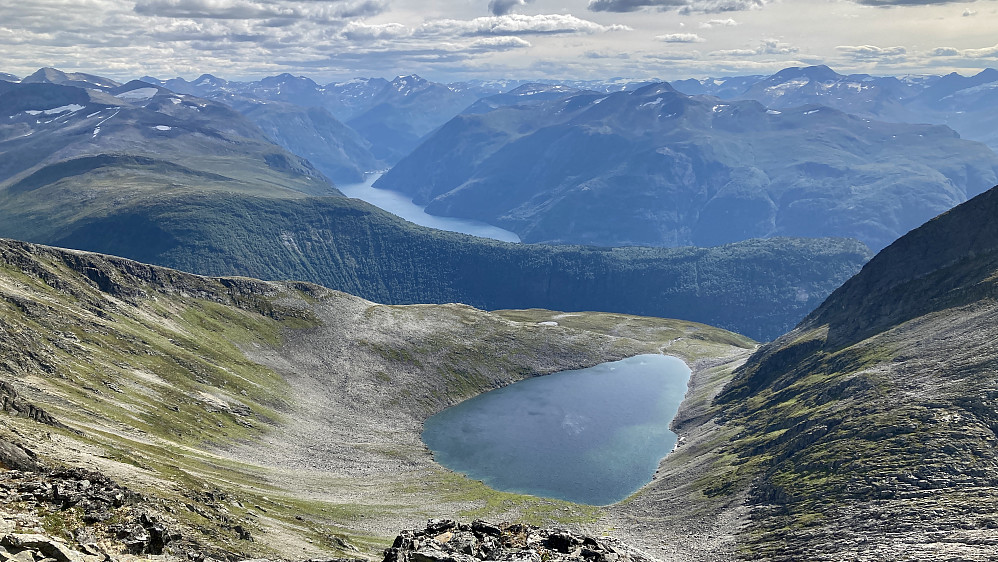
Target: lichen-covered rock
x: 444, y: 540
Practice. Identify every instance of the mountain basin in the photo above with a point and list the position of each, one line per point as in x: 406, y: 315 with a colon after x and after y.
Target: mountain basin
x: 591, y: 436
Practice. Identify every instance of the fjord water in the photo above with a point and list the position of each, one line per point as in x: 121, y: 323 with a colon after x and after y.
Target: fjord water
x: 401, y: 205
x: 591, y: 436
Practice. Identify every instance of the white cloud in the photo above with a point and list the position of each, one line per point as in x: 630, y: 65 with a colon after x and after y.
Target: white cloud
x: 944, y: 52
x: 683, y: 6
x: 498, y: 44
x: 766, y: 47
x: 503, y: 7
x: 718, y: 23
x: 873, y: 53
x: 516, y: 24
x: 985, y: 53
x: 680, y: 38
x: 359, y: 31
x: 259, y: 9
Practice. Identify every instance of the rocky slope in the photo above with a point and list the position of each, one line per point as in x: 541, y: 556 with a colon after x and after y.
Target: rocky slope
x: 447, y: 540
x: 867, y: 432
x: 659, y: 168
x: 259, y: 418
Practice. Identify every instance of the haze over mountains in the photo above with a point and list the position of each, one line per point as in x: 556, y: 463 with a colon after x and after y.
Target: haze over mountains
x: 139, y: 171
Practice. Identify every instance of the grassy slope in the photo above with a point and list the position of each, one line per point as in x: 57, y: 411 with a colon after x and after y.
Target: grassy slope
x: 870, y: 429
x: 761, y: 287
x: 256, y: 402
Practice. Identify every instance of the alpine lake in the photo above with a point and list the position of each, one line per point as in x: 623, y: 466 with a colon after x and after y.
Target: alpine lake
x: 591, y: 436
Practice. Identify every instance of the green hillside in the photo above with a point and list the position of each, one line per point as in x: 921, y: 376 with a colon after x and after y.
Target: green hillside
x: 868, y: 432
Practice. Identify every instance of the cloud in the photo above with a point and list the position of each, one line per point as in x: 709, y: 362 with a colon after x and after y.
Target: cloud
x: 985, y: 53
x: 944, y: 52
x: 503, y: 7
x: 766, y: 47
x: 682, y: 6
x: 873, y: 53
x: 892, y: 3
x: 359, y: 31
x: 259, y: 9
x: 681, y: 38
x: 776, y: 47
x: 718, y: 23
x: 516, y: 24
x: 490, y: 44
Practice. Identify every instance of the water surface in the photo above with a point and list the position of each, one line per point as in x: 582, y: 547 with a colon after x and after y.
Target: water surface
x: 401, y: 205
x: 590, y: 436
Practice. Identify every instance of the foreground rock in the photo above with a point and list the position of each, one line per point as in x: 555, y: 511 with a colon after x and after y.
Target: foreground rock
x: 444, y: 540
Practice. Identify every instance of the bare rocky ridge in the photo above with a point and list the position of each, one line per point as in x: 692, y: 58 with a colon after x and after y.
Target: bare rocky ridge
x: 450, y: 541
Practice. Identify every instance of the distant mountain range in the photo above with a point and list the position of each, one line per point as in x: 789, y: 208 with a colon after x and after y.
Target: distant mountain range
x: 965, y: 103
x: 142, y: 172
x: 657, y: 167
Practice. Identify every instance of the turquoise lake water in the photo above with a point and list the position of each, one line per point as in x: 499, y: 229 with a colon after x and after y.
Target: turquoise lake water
x: 591, y: 436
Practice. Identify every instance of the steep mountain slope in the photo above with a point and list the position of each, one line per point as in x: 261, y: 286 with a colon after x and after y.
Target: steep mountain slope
x: 284, y: 413
x: 293, y: 112
x: 869, y: 431
x: 55, y: 133
x: 407, y: 109
x: 336, y: 150
x: 656, y: 167
x: 759, y: 287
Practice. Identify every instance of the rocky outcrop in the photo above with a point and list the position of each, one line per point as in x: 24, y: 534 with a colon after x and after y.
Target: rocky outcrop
x: 444, y: 540
x: 103, y: 518
x: 12, y: 403
x: 30, y: 547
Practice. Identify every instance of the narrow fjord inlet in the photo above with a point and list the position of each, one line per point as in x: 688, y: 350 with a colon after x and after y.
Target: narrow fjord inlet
x: 591, y: 436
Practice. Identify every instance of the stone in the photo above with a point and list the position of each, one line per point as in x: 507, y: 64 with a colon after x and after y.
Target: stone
x: 44, y: 545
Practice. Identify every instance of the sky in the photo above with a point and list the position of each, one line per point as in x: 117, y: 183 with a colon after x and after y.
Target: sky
x: 452, y: 40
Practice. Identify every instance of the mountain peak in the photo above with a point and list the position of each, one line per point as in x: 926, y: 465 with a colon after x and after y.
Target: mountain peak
x: 819, y: 73
x: 56, y: 76
x: 409, y: 82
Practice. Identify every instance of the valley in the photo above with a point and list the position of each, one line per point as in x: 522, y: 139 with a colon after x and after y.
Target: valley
x: 210, y: 351
x: 283, y: 399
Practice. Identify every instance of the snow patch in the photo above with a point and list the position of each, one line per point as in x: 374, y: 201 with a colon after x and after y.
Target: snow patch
x: 175, y: 100
x: 138, y: 94
x: 812, y: 111
x: 781, y: 89
x: 162, y: 128
x: 718, y: 108
x: 656, y: 102
x: 71, y: 108
x: 548, y: 323
x: 773, y: 112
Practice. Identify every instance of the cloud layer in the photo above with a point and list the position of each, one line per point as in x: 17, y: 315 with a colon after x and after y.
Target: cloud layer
x: 488, y: 38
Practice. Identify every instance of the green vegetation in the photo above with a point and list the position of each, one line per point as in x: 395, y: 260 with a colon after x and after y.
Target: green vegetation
x: 751, y: 287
